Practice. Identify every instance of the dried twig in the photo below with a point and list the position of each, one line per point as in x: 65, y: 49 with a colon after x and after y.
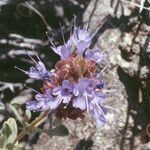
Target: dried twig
x: 137, y: 5
x: 11, y: 86
x: 22, y: 42
x: 30, y: 7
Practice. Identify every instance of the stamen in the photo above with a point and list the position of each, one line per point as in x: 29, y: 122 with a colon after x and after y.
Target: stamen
x: 50, y: 40
x: 62, y: 34
x: 111, y: 108
x: 31, y: 88
x: 95, y: 32
x: 87, y: 27
x: 104, y: 68
x: 63, y: 37
x: 31, y: 57
x: 100, y: 109
x: 21, y: 69
x: 75, y: 28
x: 36, y: 54
x: 87, y: 105
x: 70, y: 27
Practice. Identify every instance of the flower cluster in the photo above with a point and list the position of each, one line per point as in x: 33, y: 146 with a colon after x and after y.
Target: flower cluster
x: 72, y: 88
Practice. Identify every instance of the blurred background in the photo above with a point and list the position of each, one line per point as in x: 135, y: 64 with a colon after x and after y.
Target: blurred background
x: 120, y: 25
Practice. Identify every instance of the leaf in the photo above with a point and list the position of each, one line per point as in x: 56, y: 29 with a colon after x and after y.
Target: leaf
x: 60, y: 130
x: 2, y: 106
x: 57, y: 122
x: 3, y: 141
x: 17, y: 102
x: 17, y: 115
x: 11, y: 146
x: 27, y: 115
x: 10, y: 130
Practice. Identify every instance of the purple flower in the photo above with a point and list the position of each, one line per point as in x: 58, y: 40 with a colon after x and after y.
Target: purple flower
x: 95, y: 54
x: 81, y: 39
x: 63, y: 93
x: 97, y: 109
x: 43, y: 102
x: 38, y: 72
x: 65, y: 90
x: 86, y: 97
x: 63, y: 51
x: 83, y: 93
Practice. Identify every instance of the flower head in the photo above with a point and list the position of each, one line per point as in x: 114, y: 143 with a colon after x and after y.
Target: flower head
x: 72, y: 88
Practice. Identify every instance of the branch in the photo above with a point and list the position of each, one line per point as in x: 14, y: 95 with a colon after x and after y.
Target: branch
x: 11, y: 86
x: 22, y: 42
x: 137, y: 5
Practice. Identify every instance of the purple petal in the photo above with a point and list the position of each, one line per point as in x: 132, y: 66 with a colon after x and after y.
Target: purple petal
x: 63, y: 51
x: 98, y: 113
x: 52, y: 104
x: 63, y: 93
x: 99, y: 116
x: 81, y: 39
x: 82, y: 45
x: 38, y: 72
x: 97, y: 55
x: 34, y: 105
x: 80, y: 102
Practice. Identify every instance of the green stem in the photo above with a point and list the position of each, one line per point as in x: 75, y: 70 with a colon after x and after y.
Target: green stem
x: 31, y: 126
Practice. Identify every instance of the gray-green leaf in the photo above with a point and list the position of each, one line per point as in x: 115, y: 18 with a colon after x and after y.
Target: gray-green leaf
x: 60, y: 130
x: 10, y: 130
x: 2, y: 106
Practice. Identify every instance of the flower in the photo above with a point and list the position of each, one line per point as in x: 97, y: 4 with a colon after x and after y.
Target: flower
x: 38, y: 72
x: 81, y: 39
x: 98, y: 113
x: 63, y: 51
x: 43, y: 101
x: 97, y: 109
x: 63, y: 93
x: 95, y: 55
x: 88, y: 98
x: 73, y: 88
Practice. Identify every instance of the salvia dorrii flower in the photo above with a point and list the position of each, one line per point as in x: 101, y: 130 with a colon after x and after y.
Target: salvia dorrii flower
x: 72, y: 88
x: 38, y: 72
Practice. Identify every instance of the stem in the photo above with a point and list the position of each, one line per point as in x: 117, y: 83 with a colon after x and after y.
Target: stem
x: 31, y: 126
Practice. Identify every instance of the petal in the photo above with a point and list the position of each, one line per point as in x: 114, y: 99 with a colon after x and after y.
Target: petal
x: 80, y: 102
x: 56, y: 90
x: 66, y: 99
x: 40, y: 97
x: 82, y: 45
x: 34, y: 105
x: 67, y: 84
x: 53, y: 103
x: 41, y: 67
x: 97, y: 55
x: 75, y: 91
x: 56, y: 50
x: 83, y: 34
x: 65, y: 51
x: 98, y: 113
